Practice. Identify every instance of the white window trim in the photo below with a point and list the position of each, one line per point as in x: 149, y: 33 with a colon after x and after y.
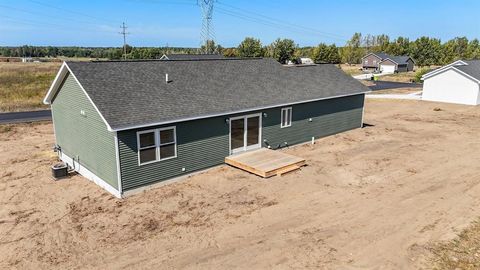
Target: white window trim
x: 289, y: 110
x: 158, y: 144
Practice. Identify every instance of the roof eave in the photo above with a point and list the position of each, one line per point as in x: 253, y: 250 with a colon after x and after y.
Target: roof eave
x: 456, y: 69
x: 55, y: 87
x: 56, y: 84
x: 439, y: 70
x: 228, y: 113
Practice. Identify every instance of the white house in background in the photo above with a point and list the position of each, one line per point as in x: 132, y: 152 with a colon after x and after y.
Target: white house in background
x: 306, y: 61
x: 458, y: 82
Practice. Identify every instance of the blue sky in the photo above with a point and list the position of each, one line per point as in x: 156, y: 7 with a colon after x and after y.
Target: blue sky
x: 178, y: 22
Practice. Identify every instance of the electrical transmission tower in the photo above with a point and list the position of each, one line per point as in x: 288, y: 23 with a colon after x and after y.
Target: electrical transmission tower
x: 124, y: 33
x: 207, y: 33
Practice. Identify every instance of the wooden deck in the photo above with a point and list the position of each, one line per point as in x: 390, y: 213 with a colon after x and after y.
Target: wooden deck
x: 265, y: 162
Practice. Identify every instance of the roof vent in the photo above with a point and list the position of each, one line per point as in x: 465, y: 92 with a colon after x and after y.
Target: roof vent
x: 166, y: 78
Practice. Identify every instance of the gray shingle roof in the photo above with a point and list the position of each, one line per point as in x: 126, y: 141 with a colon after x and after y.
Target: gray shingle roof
x: 401, y: 60
x: 193, y: 56
x: 382, y: 55
x: 472, y: 69
x: 135, y: 93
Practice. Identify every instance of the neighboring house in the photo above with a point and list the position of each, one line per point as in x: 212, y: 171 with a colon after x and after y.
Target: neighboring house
x: 372, y: 60
x: 395, y: 64
x: 28, y: 60
x: 457, y: 82
x: 387, y: 63
x: 191, y: 57
x: 130, y: 124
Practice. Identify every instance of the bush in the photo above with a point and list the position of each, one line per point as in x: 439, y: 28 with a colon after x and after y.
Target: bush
x: 419, y: 74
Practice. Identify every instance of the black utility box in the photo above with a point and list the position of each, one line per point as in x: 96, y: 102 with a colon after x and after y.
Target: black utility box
x: 59, y: 170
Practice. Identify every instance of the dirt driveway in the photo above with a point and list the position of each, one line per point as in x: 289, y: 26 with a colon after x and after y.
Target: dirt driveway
x: 372, y: 198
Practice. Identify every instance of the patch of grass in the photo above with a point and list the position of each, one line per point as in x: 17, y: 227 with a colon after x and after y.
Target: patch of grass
x: 399, y: 77
x: 460, y: 253
x: 352, y: 69
x: 5, y: 128
x: 23, y: 85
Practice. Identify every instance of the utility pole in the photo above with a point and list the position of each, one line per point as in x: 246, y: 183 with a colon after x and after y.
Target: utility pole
x: 124, y: 33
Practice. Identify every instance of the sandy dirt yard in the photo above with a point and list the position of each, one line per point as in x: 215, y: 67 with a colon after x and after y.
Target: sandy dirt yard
x: 371, y: 198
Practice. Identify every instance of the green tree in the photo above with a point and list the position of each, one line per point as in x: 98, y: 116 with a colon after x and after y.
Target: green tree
x: 455, y: 49
x: 211, y: 47
x: 474, y: 49
x: 282, y: 50
x: 352, y: 53
x: 381, y: 43
x: 230, y: 52
x: 427, y: 51
x: 250, y: 47
x: 400, y: 46
x: 325, y: 54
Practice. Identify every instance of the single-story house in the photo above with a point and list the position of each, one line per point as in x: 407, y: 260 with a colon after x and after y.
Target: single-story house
x: 130, y: 124
x: 182, y: 57
x: 387, y: 63
x: 458, y: 82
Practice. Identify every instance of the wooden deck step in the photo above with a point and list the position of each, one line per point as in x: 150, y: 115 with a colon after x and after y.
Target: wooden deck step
x: 265, y: 162
x: 288, y: 169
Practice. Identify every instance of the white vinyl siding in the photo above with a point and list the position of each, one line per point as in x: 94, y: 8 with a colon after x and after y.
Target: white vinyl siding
x: 156, y: 145
x: 286, y: 117
x: 451, y: 86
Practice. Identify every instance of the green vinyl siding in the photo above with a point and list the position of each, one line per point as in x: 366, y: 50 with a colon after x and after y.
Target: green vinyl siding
x: 205, y: 143
x: 84, y: 138
x: 200, y: 144
x: 327, y: 117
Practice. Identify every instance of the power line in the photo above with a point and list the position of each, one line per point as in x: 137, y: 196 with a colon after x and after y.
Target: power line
x: 124, y: 33
x: 252, y: 16
x: 70, y: 11
x: 281, y: 22
x: 44, y: 14
x: 50, y: 25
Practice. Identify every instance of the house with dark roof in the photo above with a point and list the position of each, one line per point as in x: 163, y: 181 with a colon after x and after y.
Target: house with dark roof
x: 458, y: 82
x: 191, y: 56
x: 130, y: 124
x: 386, y: 63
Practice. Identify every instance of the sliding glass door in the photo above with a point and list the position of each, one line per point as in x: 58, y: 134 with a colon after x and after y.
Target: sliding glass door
x: 245, y: 133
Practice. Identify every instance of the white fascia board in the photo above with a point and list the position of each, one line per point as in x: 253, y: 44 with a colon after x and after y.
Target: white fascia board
x: 459, y: 71
x: 64, y: 70
x: 229, y: 113
x: 56, y: 84
x: 436, y: 71
x: 388, y: 59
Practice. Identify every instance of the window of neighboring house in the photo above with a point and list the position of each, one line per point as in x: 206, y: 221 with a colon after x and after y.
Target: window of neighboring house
x: 286, y: 117
x: 366, y: 61
x: 374, y: 62
x: 156, y: 145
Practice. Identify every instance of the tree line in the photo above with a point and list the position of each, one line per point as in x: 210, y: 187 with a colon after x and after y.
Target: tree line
x: 92, y: 52
x: 425, y: 51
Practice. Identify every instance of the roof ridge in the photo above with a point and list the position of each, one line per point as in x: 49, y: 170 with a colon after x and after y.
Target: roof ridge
x: 173, y: 60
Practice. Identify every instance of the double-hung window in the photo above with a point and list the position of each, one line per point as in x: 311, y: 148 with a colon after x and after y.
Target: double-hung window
x: 156, y: 145
x: 286, y: 117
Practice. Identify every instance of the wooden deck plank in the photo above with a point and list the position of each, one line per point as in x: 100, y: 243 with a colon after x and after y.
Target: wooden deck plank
x: 265, y: 162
